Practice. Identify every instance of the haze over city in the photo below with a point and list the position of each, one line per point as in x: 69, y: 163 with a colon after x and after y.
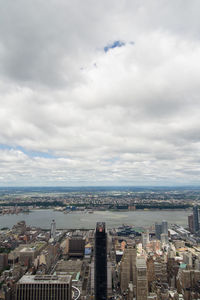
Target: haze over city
x: 99, y: 93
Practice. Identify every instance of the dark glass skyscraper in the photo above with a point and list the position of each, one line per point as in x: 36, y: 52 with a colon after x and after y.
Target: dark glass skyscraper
x: 158, y: 230
x: 164, y: 227
x: 196, y: 218
x: 100, y: 275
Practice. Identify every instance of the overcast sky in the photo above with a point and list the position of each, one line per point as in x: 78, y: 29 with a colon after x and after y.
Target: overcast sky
x: 99, y: 92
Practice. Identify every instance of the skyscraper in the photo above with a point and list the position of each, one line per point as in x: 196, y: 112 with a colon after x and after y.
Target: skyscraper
x: 100, y: 263
x: 164, y: 227
x: 145, y: 239
x: 53, y: 229
x: 128, y: 268
x: 196, y: 218
x: 141, y: 283
x: 191, y: 223
x: 158, y: 230
x: 161, y: 228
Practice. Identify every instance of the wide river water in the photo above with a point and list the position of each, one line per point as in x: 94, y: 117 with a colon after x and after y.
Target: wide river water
x: 140, y: 218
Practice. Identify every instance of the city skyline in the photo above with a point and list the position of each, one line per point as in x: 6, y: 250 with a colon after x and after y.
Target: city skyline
x: 99, y: 93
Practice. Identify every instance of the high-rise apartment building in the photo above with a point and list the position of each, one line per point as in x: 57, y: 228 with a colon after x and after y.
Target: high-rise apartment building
x: 196, y: 218
x: 100, y: 263
x: 44, y: 287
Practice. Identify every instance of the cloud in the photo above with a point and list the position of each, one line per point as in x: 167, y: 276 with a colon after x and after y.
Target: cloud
x: 76, y: 112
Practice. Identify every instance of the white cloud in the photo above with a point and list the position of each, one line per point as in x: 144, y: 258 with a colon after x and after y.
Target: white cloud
x: 72, y: 114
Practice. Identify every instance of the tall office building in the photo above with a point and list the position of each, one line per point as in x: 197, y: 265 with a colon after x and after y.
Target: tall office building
x: 145, y: 239
x: 44, y: 287
x: 100, y: 263
x: 161, y: 228
x: 164, y: 227
x: 128, y: 268
x: 76, y: 246
x: 191, y: 223
x: 196, y: 218
x: 142, y: 282
x: 158, y: 230
x: 53, y: 229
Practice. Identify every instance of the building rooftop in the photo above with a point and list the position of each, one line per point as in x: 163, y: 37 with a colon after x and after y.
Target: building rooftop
x: 100, y: 226
x: 72, y: 267
x: 119, y: 252
x: 28, y: 249
x: 183, y: 266
x: 33, y: 279
x: 140, y: 262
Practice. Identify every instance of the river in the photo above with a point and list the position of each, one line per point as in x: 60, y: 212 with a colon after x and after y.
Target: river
x: 42, y: 218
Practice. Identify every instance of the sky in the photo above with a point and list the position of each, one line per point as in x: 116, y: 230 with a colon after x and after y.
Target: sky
x: 99, y: 92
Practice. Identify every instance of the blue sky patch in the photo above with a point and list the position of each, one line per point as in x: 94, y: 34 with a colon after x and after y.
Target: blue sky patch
x: 28, y: 152
x: 115, y: 44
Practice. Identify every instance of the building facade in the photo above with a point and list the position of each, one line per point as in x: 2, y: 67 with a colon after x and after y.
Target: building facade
x: 196, y: 218
x: 142, y: 282
x: 100, y: 263
x: 191, y: 223
x: 164, y: 227
x: 158, y: 230
x: 145, y: 239
x: 128, y: 268
x: 76, y: 246
x: 44, y: 287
